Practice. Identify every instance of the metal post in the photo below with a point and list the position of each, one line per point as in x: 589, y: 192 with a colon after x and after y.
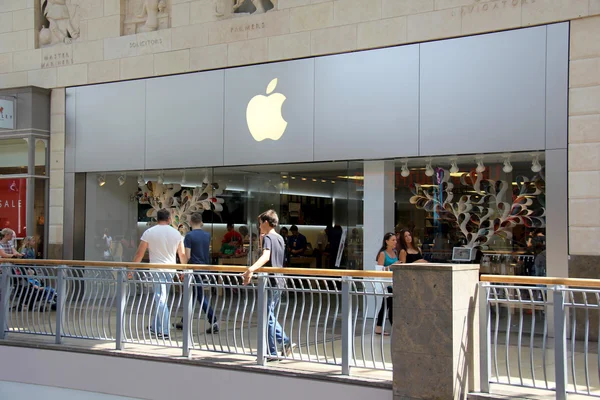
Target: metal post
x: 485, y: 338
x: 347, y: 339
x: 560, y: 343
x: 187, y: 311
x: 4, y: 300
x: 261, y: 346
x: 60, y: 301
x: 122, y: 282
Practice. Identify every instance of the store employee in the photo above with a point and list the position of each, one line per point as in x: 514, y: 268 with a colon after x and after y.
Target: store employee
x: 296, y: 242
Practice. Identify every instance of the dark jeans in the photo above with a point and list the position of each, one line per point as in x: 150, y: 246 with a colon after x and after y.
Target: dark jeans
x: 204, y: 300
x: 389, y: 305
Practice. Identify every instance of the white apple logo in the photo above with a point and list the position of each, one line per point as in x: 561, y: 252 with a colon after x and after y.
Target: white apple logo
x: 264, y: 115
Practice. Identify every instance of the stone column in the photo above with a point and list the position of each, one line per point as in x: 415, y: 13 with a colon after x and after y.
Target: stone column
x: 57, y: 174
x: 435, y: 346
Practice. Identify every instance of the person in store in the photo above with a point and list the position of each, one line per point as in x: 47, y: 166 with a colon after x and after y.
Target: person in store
x: 7, y: 250
x: 232, y: 235
x: 409, y: 253
x: 385, y: 257
x: 284, y: 234
x: 273, y: 251
x: 128, y: 244
x: 28, y: 247
x: 297, y: 242
x: 164, y: 243
x: 334, y: 237
x: 197, y: 250
x: 107, y: 254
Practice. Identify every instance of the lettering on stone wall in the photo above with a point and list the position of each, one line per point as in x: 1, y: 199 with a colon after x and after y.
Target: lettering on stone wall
x: 59, y: 57
x: 248, y: 27
x: 145, y: 43
x: 493, y: 5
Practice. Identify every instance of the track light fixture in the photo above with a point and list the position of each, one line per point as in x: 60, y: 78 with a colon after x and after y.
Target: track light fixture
x: 122, y: 178
x: 141, y: 180
x: 454, y: 167
x: 429, y: 168
x: 101, y: 180
x: 161, y: 178
x: 480, y: 166
x: 535, y: 164
x: 404, y: 171
x: 183, y: 178
x: 507, y: 168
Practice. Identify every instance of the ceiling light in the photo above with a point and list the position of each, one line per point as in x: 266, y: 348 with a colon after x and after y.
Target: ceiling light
x: 183, y: 178
x: 332, y: 181
x: 141, y: 180
x: 404, y: 171
x: 535, y: 164
x: 323, y: 180
x: 454, y: 167
x: 314, y: 179
x: 284, y: 176
x: 293, y: 177
x: 161, y: 178
x: 101, y: 180
x: 480, y: 167
x: 206, y: 181
x: 303, y: 179
x: 429, y: 169
x: 507, y: 168
x: 122, y: 178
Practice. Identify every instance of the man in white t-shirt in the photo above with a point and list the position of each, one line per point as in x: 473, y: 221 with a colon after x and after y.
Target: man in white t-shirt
x: 164, y: 243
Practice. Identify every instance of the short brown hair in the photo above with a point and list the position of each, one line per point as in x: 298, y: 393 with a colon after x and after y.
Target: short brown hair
x: 163, y: 215
x: 196, y: 218
x: 270, y: 216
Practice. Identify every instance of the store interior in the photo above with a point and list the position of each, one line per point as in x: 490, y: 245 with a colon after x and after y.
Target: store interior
x: 493, y: 203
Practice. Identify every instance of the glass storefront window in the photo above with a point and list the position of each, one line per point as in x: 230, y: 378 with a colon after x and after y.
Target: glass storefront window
x: 493, y: 204
x: 14, y: 156
x: 41, y: 154
x: 324, y: 200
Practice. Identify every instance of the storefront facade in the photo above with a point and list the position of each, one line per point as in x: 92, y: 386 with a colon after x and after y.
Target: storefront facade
x: 518, y: 96
x: 324, y: 142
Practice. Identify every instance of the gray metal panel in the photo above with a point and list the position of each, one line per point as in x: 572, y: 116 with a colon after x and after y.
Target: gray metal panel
x: 484, y: 93
x: 184, y: 120
x: 69, y: 216
x: 296, y: 82
x: 557, y: 211
x: 70, y: 117
x: 557, y: 85
x: 367, y: 104
x: 110, y: 127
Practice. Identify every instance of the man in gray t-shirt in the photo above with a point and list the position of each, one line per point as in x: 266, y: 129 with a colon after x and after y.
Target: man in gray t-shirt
x: 272, y: 256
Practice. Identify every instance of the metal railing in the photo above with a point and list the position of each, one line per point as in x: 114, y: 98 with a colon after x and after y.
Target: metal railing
x: 326, y: 316
x: 537, y: 332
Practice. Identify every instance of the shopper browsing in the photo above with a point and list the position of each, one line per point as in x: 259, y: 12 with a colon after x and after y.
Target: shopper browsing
x: 386, y: 257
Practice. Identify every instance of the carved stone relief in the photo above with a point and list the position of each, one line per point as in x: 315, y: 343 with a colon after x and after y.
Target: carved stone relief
x: 239, y: 8
x: 61, y: 24
x: 145, y: 16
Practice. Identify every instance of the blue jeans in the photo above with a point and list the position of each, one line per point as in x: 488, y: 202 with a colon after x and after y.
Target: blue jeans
x: 204, y: 300
x: 275, y: 333
x: 161, y: 320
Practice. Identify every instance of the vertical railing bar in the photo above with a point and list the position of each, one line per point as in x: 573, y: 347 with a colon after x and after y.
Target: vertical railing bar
x: 60, y: 302
x: 261, y: 349
x: 384, y: 301
x: 121, y: 293
x: 545, y: 337
x: 346, y: 325
x: 222, y: 287
x: 573, y: 326
x: 585, y: 344
x: 320, y: 306
x: 334, y: 323
x: 251, y: 315
x: 520, y: 337
x: 300, y: 320
x: 484, y: 334
x: 355, y: 323
x: 5, y: 300
x: 285, y: 315
x: 310, y: 312
x: 560, y: 349
x: 325, y: 341
x: 113, y: 300
x: 228, y: 277
x: 244, y: 308
x: 598, y: 350
x: 235, y: 317
x: 293, y: 319
x: 187, y: 311
x: 531, y: 336
x: 507, y: 343
x: 373, y: 284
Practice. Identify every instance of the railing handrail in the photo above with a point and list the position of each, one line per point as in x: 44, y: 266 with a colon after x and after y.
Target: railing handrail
x: 531, y: 280
x: 202, y: 267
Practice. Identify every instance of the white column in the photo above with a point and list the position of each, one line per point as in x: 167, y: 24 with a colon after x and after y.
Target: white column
x: 378, y: 207
x: 378, y: 217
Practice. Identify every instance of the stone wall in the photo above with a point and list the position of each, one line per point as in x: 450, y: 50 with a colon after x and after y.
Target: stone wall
x: 206, y: 34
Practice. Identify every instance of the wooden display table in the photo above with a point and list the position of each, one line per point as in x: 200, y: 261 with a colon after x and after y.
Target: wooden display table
x: 303, y: 261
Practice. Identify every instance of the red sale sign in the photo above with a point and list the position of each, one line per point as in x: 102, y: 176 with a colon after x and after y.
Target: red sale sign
x: 13, y: 205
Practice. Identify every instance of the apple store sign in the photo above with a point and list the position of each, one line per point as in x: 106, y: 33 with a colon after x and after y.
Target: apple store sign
x: 269, y: 113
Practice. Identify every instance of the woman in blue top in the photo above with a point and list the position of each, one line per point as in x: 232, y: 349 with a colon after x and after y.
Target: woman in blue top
x: 386, y: 257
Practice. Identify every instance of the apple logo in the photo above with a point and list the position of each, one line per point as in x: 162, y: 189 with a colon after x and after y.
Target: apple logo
x: 263, y: 115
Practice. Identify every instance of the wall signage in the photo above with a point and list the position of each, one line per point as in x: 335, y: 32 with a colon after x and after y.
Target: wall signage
x: 263, y: 115
x: 7, y: 114
x: 13, y: 194
x: 59, y: 56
